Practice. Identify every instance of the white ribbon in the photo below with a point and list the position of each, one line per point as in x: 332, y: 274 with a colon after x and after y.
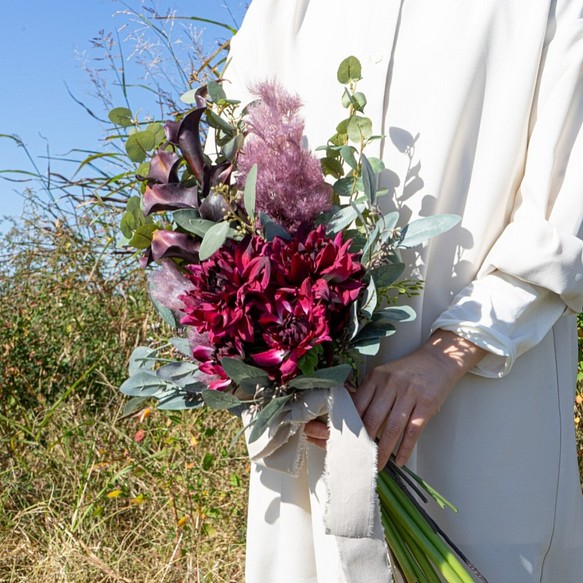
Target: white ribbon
x: 352, y: 511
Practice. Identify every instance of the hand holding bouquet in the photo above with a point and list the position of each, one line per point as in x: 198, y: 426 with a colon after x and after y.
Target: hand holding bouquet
x: 281, y: 272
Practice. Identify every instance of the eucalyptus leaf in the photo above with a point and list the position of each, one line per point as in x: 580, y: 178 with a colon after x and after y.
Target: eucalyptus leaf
x: 213, y: 239
x: 190, y: 221
x: 249, y: 194
x: 332, y: 166
x: 132, y: 218
x: 189, y: 97
x: 359, y: 101
x: 390, y: 220
x: 142, y: 358
x: 231, y: 148
x: 348, y: 154
x: 369, y: 180
x: 422, y: 229
x: 247, y: 387
x: 182, y: 345
x: 359, y: 128
x: 371, y: 243
x: 272, y: 229
x: 121, y: 116
x: 313, y: 382
x: 266, y: 416
x: 180, y: 402
x: 369, y: 299
x: 344, y: 217
x: 346, y: 99
x: 338, y: 373
x: 220, y: 399
x: 349, y: 70
x: 216, y: 91
x: 237, y: 370
x: 395, y: 314
x: 368, y: 347
x: 386, y: 275
x: 323, y: 378
x: 143, y: 384
x: 358, y: 240
x: 374, y: 331
x: 344, y: 186
x: 142, y: 237
x: 376, y: 163
x: 165, y: 313
x: 139, y: 144
x: 179, y: 373
x: 217, y: 122
x: 134, y: 404
x: 157, y: 130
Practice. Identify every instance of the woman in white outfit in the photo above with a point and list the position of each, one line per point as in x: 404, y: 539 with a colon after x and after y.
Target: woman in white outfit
x: 481, y: 103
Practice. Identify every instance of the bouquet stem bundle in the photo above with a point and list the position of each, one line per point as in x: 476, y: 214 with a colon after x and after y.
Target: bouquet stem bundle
x: 424, y: 553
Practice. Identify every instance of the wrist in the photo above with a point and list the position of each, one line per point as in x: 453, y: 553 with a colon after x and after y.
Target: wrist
x: 456, y: 354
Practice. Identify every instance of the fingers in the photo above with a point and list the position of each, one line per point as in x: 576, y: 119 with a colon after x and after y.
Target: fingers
x: 317, y: 433
x: 396, y: 427
x: 411, y: 435
x: 395, y: 409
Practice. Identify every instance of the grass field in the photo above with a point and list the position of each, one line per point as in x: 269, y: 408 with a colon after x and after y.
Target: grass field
x: 89, y: 499
x: 157, y: 498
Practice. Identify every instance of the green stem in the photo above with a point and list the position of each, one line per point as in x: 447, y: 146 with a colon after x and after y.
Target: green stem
x: 402, y: 513
x: 434, y: 537
x: 395, y: 542
x: 426, y: 566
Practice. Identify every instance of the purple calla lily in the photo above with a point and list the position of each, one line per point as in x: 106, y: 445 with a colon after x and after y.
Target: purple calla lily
x: 167, y: 244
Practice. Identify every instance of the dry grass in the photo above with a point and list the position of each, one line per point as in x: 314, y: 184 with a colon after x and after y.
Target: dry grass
x: 87, y: 499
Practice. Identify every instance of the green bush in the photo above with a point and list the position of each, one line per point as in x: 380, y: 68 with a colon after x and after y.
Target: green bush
x: 68, y: 311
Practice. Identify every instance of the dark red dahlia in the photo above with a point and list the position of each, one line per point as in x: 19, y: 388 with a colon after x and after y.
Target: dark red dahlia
x: 269, y: 303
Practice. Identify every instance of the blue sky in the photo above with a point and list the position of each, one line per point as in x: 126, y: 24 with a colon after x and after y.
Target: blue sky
x: 43, y: 45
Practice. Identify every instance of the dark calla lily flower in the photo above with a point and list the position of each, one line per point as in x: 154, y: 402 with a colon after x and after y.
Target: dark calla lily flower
x: 169, y: 197
x: 164, y: 167
x: 213, y: 207
x: 166, y: 244
x: 190, y: 144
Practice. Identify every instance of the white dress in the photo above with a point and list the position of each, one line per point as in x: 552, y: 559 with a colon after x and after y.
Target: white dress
x: 481, y: 103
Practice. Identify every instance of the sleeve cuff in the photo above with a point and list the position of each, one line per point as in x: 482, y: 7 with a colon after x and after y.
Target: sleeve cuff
x: 502, y: 353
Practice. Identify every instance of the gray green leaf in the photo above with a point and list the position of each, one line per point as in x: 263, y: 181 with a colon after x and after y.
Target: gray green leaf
x: 238, y: 371
x: 349, y: 70
x: 220, y: 399
x: 213, y: 239
x: 422, y: 229
x: 249, y: 194
x: 267, y: 415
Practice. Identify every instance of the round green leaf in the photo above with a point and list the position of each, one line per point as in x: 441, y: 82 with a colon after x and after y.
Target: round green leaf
x: 121, y: 116
x: 142, y: 237
x: 349, y: 70
x: 157, y: 130
x: 359, y: 128
x: 189, y: 97
x: 139, y: 144
x: 216, y: 91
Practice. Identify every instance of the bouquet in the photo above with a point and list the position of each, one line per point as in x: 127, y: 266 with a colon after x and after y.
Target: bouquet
x: 279, y: 272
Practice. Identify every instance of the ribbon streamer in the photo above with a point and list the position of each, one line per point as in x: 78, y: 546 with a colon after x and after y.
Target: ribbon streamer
x: 351, y: 512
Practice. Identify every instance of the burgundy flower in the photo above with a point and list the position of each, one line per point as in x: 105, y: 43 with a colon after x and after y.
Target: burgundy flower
x: 292, y: 325
x: 269, y: 303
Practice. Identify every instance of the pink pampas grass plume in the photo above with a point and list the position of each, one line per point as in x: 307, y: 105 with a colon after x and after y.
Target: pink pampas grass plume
x: 290, y: 184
